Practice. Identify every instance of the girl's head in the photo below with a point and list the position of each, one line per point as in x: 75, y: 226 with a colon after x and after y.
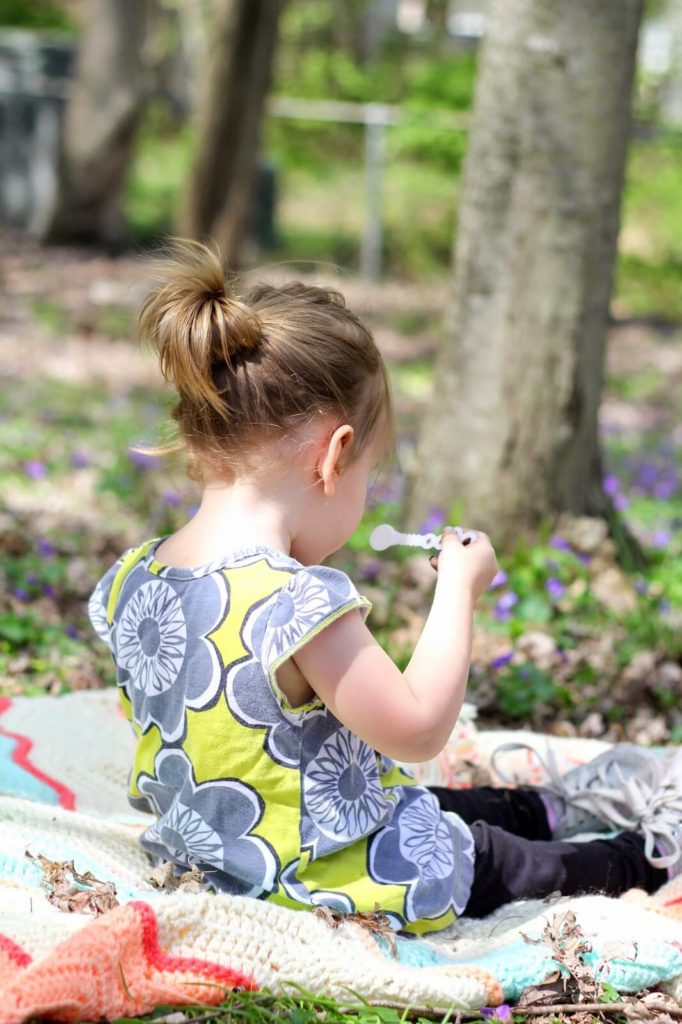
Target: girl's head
x: 267, y: 369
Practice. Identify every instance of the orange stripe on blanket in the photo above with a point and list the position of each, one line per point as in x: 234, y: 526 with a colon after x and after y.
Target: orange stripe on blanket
x: 113, y: 967
x: 11, y: 957
x: 164, y: 962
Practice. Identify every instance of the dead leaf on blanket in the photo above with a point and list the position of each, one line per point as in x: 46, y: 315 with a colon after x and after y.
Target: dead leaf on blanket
x: 73, y: 892
x: 567, y: 942
x: 164, y: 877
x: 375, y: 921
x: 549, y: 993
x: 576, y: 982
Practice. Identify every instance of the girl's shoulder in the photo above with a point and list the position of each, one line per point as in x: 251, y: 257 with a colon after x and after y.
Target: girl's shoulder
x: 308, y: 596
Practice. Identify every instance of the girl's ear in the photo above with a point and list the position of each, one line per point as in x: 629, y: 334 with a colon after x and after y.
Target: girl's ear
x: 328, y: 466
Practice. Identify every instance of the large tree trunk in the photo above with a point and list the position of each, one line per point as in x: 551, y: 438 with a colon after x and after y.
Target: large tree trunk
x: 511, y: 435
x: 101, y: 118
x: 221, y: 189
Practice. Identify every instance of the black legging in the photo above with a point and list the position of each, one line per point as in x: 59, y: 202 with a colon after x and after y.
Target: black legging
x: 516, y: 857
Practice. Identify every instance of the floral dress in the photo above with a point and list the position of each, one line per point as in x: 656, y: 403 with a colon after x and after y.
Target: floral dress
x: 273, y: 801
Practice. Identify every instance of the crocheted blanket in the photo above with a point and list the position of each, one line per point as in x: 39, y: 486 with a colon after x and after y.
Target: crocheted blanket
x: 63, y: 768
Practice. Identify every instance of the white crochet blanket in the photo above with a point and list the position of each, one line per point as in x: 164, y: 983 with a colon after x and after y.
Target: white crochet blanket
x: 65, y: 800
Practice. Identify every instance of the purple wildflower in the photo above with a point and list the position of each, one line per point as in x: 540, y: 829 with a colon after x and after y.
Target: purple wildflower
x: 620, y: 502
x: 143, y: 460
x: 79, y: 459
x: 559, y: 543
x: 387, y: 492
x: 45, y: 548
x: 71, y: 630
x: 21, y: 594
x: 660, y: 538
x: 507, y: 601
x: 664, y: 606
x: 370, y: 569
x: 665, y: 488
x: 647, y: 475
x: 48, y: 590
x: 499, y: 580
x: 434, y: 520
x: 584, y: 557
x: 611, y: 484
x: 641, y: 586
x: 503, y: 608
x: 502, y: 659
x: 502, y: 1012
x: 32, y: 578
x: 172, y: 498
x: 555, y: 588
x: 35, y: 469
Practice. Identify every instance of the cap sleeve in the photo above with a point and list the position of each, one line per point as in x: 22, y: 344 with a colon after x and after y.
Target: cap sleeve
x: 309, y: 601
x: 99, y: 599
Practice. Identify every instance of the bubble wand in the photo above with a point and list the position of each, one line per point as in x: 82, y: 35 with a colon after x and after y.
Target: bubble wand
x: 386, y: 536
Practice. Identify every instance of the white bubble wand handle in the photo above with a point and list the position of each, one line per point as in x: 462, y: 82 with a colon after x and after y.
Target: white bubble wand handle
x: 385, y: 536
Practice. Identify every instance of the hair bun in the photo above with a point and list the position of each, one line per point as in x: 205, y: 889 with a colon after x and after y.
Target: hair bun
x: 194, y: 322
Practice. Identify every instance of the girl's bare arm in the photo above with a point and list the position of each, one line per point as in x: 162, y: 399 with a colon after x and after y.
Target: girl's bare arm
x: 410, y: 715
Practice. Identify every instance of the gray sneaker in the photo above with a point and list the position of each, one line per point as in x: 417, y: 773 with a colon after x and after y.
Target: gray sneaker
x: 609, y: 793
x: 652, y: 806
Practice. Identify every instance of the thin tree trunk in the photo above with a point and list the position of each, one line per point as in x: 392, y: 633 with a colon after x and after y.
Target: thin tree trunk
x: 101, y: 119
x: 220, y: 193
x: 511, y: 434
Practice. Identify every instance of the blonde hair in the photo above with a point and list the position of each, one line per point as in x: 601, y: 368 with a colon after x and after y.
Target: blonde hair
x: 251, y: 369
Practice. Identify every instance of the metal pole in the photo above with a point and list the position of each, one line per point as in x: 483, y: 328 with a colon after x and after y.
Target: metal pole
x: 376, y: 119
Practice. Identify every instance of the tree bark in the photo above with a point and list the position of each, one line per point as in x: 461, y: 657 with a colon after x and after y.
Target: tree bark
x: 221, y: 188
x: 101, y: 118
x: 511, y: 436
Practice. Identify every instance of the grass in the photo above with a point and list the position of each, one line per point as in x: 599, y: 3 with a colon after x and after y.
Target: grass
x: 301, y: 1007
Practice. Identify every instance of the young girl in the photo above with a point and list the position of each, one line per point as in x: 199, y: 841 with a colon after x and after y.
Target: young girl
x: 267, y: 717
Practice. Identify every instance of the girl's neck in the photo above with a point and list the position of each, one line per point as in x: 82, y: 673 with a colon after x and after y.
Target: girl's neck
x: 246, y: 514
x: 231, y: 517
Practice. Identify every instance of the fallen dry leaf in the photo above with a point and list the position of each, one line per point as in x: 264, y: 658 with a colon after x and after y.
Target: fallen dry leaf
x: 164, y: 876
x: 374, y: 921
x: 85, y: 894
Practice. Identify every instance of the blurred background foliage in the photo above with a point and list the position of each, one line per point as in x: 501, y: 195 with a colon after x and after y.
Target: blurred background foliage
x: 317, y: 58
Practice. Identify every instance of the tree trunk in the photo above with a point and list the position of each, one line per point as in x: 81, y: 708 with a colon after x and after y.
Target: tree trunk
x: 221, y: 188
x: 101, y: 119
x: 511, y: 434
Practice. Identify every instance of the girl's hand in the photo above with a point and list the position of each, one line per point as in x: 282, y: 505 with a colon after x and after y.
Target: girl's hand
x: 473, y: 564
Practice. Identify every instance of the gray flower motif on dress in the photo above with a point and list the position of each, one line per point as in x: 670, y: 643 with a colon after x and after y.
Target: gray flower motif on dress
x: 271, y: 629
x: 296, y: 890
x: 425, y: 839
x: 97, y: 605
x: 151, y: 637
x: 427, y: 850
x: 97, y: 613
x: 208, y: 825
x: 165, y: 661
x: 342, y: 791
x: 303, y: 603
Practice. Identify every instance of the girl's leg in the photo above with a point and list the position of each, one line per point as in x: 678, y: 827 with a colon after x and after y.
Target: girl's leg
x: 522, y: 812
x: 510, y: 867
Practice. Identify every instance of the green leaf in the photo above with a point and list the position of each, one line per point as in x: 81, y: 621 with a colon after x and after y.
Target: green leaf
x: 608, y: 993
